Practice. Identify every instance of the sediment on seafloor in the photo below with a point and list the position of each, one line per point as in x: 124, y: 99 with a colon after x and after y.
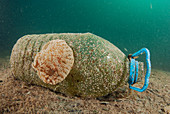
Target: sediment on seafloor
x: 19, y: 97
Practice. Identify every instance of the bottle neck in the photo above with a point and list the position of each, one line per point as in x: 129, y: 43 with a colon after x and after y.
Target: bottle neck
x: 140, y: 71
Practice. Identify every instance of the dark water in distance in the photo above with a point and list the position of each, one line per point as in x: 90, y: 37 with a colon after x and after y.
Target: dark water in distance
x: 128, y: 24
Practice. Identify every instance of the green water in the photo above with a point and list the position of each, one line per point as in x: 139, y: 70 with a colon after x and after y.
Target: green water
x: 129, y: 24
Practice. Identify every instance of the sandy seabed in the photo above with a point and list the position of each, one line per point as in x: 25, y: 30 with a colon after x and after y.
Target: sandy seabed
x: 18, y: 97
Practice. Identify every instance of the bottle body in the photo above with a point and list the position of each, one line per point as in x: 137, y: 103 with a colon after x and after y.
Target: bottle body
x: 99, y: 67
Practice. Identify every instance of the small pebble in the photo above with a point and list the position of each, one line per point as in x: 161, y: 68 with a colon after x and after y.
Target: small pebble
x: 167, y: 109
x: 104, y: 103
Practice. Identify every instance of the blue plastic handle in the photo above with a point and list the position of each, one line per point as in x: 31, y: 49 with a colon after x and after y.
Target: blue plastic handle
x: 133, y: 79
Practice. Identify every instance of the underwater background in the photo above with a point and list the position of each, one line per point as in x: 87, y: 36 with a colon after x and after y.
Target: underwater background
x: 128, y: 24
